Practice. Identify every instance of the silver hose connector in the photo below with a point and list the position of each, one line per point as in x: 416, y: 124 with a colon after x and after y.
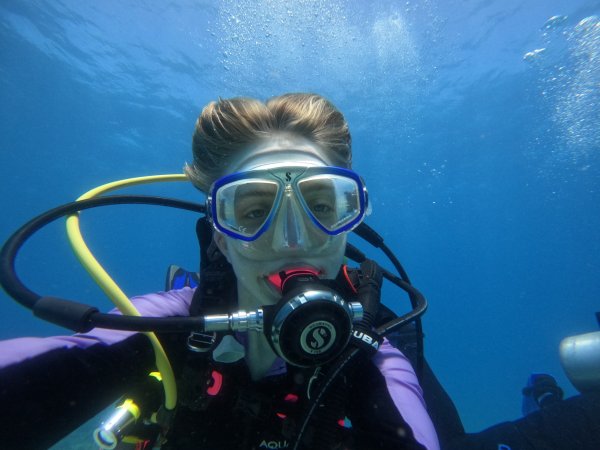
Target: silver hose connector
x: 356, y: 311
x: 238, y: 321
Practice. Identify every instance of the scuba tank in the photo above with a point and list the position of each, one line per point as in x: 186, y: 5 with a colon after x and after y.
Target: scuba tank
x: 580, y: 359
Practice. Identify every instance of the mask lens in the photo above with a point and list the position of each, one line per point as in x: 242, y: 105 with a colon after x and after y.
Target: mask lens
x: 333, y: 201
x: 244, y: 207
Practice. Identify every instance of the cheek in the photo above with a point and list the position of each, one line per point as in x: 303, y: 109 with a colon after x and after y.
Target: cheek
x: 251, y: 283
x: 333, y: 259
x: 247, y: 270
x: 242, y: 266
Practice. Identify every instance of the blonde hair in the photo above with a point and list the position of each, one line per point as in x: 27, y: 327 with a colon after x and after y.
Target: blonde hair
x: 227, y: 127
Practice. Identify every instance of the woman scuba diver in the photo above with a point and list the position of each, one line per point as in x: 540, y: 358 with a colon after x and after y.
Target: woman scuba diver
x: 281, y: 199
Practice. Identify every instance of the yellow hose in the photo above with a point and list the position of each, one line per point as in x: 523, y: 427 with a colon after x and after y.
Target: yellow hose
x: 107, y: 284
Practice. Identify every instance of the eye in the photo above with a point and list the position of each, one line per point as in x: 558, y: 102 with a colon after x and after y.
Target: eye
x: 321, y: 208
x: 253, y: 203
x: 255, y: 214
x: 253, y: 209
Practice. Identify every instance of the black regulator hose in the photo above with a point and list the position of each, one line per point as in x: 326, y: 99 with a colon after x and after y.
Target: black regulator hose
x: 369, y: 293
x: 80, y: 317
x: 417, y: 300
x: 77, y: 316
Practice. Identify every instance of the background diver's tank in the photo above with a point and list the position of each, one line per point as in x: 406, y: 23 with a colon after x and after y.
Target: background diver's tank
x: 580, y: 358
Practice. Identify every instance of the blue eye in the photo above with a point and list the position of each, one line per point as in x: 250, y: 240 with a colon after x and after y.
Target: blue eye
x: 256, y: 214
x: 321, y: 208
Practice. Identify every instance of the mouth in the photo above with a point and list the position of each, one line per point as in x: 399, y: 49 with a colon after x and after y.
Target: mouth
x: 276, y: 279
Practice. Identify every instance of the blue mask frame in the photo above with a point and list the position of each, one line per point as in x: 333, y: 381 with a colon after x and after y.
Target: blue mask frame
x: 287, y: 177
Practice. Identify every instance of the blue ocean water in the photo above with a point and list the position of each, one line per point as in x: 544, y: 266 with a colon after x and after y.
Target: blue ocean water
x: 476, y: 126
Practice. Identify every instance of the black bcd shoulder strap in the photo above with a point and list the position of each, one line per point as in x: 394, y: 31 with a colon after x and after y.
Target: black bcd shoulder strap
x: 217, y: 290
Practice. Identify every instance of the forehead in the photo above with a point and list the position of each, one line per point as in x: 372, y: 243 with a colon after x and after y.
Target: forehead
x: 278, y: 149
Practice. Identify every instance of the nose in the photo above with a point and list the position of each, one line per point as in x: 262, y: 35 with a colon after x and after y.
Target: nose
x: 290, y: 227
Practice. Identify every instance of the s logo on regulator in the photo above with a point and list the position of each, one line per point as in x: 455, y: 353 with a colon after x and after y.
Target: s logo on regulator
x: 317, y: 337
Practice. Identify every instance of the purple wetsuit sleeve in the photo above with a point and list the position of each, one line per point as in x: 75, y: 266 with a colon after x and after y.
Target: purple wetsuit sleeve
x: 405, y: 391
x: 160, y: 304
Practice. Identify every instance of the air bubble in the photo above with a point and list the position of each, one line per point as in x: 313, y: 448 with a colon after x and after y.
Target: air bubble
x: 587, y: 24
x: 554, y: 22
x: 533, y: 54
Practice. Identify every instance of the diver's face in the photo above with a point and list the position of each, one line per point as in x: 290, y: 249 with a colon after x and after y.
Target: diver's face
x: 292, y: 241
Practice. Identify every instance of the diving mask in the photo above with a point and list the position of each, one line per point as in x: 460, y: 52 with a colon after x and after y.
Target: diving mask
x: 244, y: 205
